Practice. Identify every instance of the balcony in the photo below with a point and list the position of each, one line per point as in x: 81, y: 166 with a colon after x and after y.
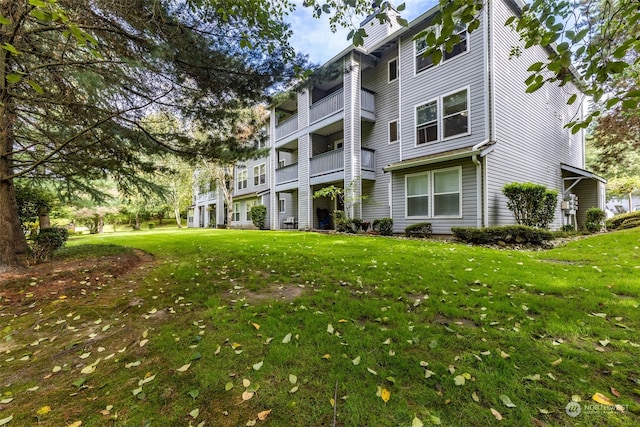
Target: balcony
x: 287, y: 127
x: 287, y: 174
x: 331, y: 161
x: 327, y: 106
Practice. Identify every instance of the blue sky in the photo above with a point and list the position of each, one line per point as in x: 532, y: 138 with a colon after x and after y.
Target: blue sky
x: 314, y: 37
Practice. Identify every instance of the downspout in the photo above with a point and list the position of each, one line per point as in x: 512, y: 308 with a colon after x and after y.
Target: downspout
x: 479, y: 196
x: 491, y: 90
x: 400, y: 71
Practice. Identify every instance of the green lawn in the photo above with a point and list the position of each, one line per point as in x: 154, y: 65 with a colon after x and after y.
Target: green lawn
x: 226, y: 324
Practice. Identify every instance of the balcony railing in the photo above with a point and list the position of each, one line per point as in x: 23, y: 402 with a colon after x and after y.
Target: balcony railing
x: 368, y: 159
x: 287, y: 173
x: 367, y: 101
x: 287, y: 126
x: 329, y: 161
x: 327, y: 106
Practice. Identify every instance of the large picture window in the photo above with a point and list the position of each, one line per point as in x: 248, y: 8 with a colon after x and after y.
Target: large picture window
x: 434, y: 194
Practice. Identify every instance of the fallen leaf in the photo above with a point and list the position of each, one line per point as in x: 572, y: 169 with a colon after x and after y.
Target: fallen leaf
x: 184, y: 368
x: 435, y: 420
x: 504, y: 355
x: 496, y: 414
x: 475, y: 397
x: 293, y: 389
x: 264, y: 414
x: 144, y: 342
x: 293, y: 379
x: 228, y: 386
x: 88, y: 369
x: 459, y: 380
x: 257, y: 366
x: 44, y: 410
x: 556, y: 362
x: 255, y: 325
x: 6, y: 400
x: 371, y: 371
x: 246, y: 383
x: 602, y: 399
x: 507, y: 401
x: 385, y: 395
x: 251, y: 423
x: 330, y: 329
x: 287, y: 338
x: 247, y: 395
x: 326, y: 356
x: 148, y: 378
x: 194, y: 414
x: 356, y: 361
x: 604, y: 343
x: 6, y: 420
x: 75, y: 424
x: 56, y: 369
x: 615, y: 392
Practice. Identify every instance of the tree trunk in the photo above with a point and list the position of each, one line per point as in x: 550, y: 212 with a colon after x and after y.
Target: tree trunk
x: 100, y: 224
x: 176, y: 212
x: 137, y: 225
x: 630, y: 195
x: 43, y: 218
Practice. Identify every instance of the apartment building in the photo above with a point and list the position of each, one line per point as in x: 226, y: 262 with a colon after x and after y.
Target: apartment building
x: 416, y: 141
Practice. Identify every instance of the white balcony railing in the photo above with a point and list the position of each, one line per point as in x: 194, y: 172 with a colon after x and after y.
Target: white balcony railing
x: 327, y: 106
x: 287, y: 127
x: 368, y: 159
x: 329, y: 161
x: 287, y: 173
x: 367, y: 101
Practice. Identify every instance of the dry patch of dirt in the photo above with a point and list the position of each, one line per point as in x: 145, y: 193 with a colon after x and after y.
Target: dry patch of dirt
x: 442, y: 320
x: 61, y: 279
x: 272, y: 292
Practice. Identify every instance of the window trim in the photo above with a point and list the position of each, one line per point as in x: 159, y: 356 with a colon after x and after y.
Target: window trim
x: 389, y: 79
x: 437, y: 121
x: 259, y: 178
x: 443, y: 60
x: 431, y: 194
x: 241, y: 180
x: 440, y: 118
x: 397, y: 122
x: 406, y: 196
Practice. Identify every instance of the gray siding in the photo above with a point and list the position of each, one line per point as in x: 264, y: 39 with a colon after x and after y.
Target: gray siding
x: 375, y: 136
x: 465, y: 70
x: 439, y: 225
x: 531, y: 140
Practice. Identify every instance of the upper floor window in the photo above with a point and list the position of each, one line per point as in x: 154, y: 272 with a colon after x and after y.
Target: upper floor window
x: 425, y: 62
x: 242, y: 180
x: 449, y: 113
x: 260, y: 174
x: 393, y: 70
x: 393, y: 131
x: 427, y: 122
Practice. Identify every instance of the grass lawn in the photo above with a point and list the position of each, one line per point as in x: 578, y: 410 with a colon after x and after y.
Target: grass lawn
x: 221, y: 326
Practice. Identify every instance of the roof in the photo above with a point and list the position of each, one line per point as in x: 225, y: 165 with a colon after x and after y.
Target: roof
x: 581, y: 172
x: 444, y: 156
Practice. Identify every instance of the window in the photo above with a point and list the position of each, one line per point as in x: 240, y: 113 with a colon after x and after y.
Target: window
x: 393, y: 131
x: 236, y: 211
x: 455, y: 114
x: 393, y: 70
x: 421, y: 45
x: 260, y: 174
x: 461, y: 46
x: 250, y: 205
x: 434, y: 194
x: 427, y: 122
x: 242, y: 179
x: 283, y: 205
x: 417, y: 195
x: 422, y: 62
x: 449, y: 113
x: 446, y: 192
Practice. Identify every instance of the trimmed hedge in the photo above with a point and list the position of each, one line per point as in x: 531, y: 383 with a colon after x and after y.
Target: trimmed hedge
x: 384, y: 226
x: 629, y: 223
x: 506, y: 234
x: 420, y: 229
x: 259, y: 216
x: 47, y: 242
x: 617, y: 220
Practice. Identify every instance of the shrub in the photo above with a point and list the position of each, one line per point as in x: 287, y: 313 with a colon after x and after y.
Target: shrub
x: 384, y: 226
x: 568, y: 228
x: 532, y: 204
x: 595, y: 219
x: 506, y: 234
x: 357, y: 224
x: 342, y: 222
x: 259, y: 216
x: 629, y: 223
x: 420, y: 229
x: 617, y: 220
x: 47, y: 242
